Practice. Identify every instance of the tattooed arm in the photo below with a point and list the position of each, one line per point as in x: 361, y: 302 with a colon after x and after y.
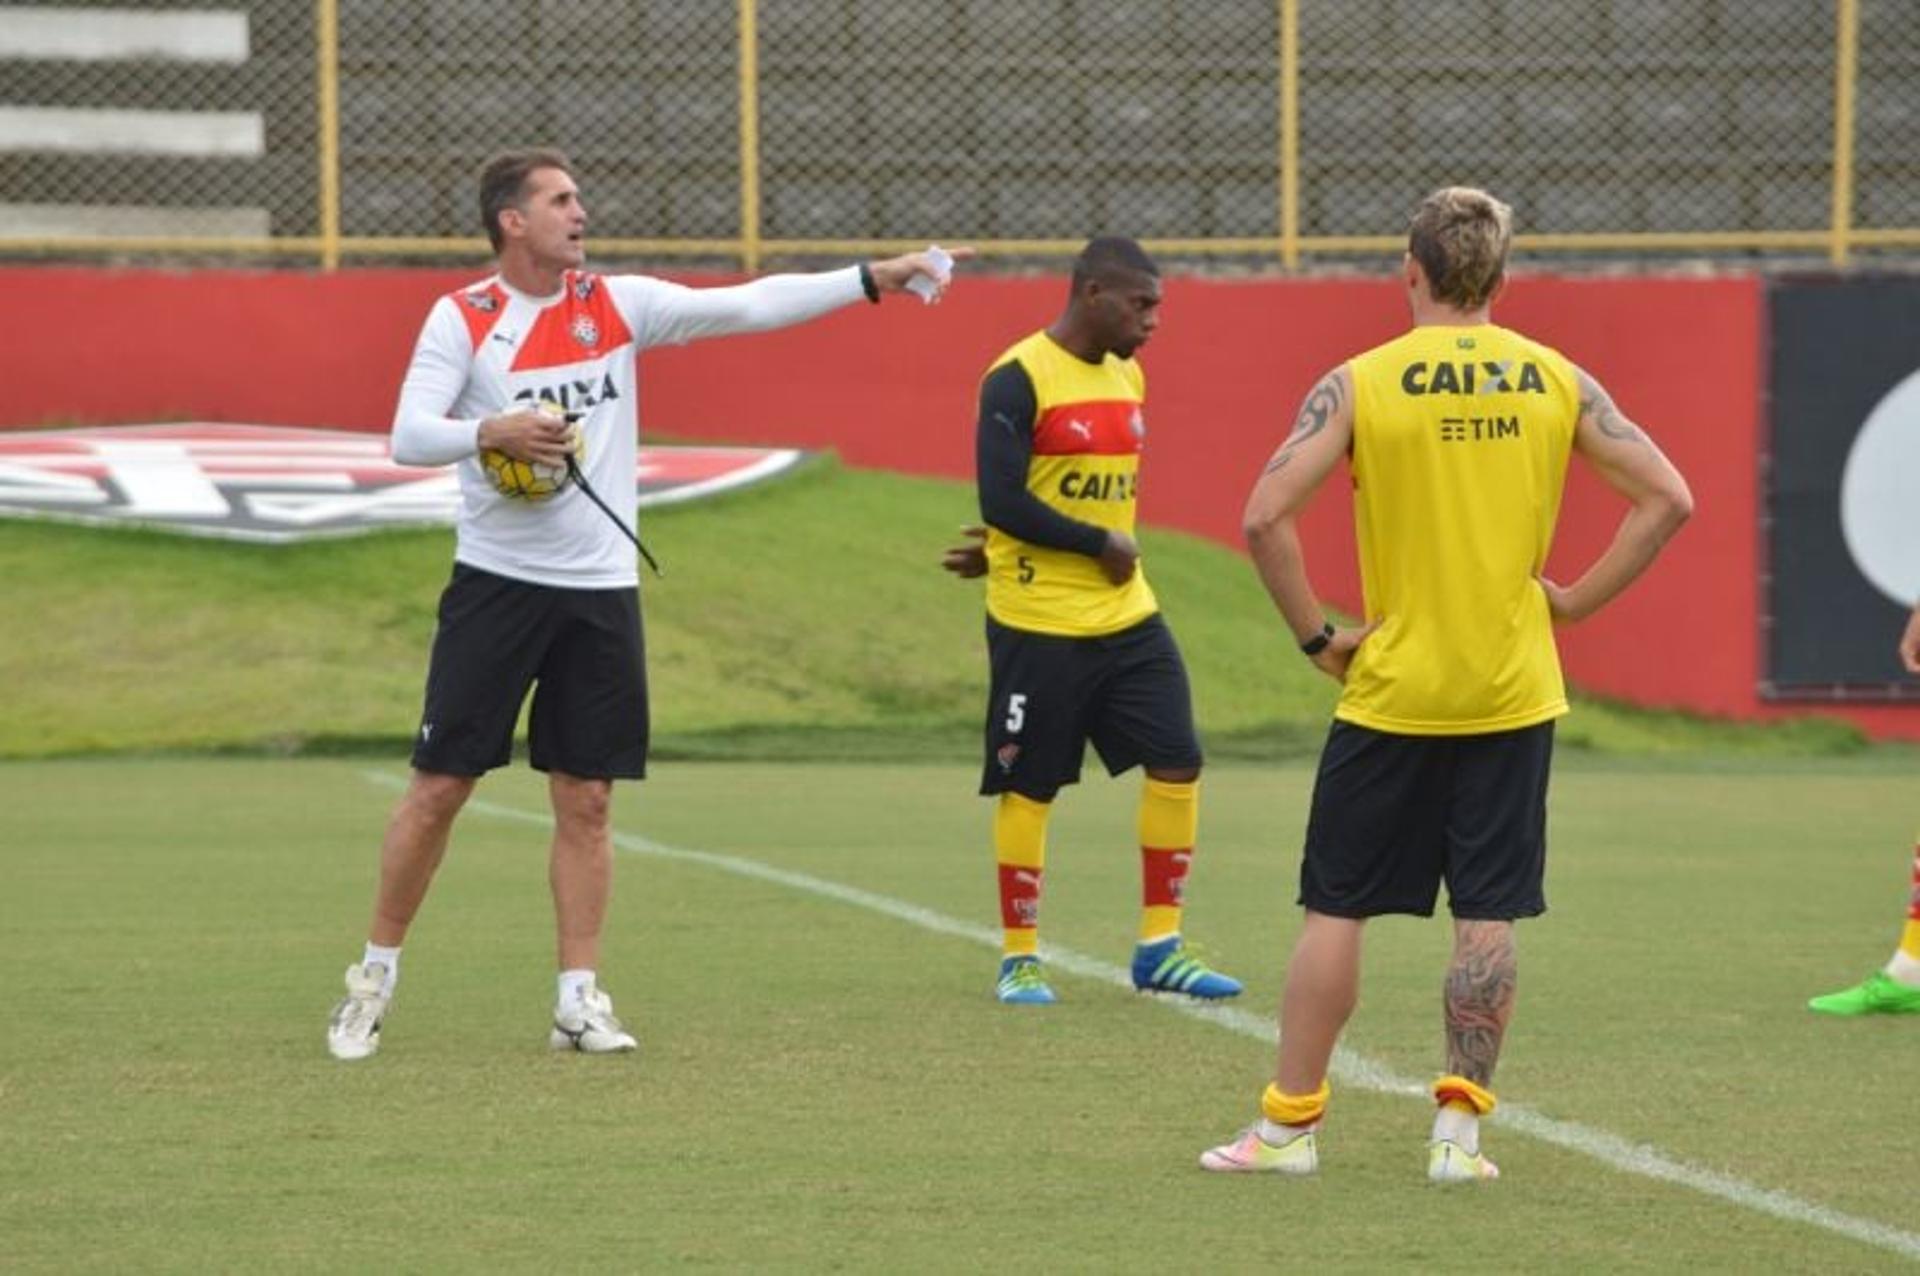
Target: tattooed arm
x: 1633, y: 466
x: 1321, y: 435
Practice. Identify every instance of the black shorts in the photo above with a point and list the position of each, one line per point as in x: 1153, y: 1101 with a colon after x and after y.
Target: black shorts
x: 1395, y: 815
x: 582, y: 647
x: 1126, y: 692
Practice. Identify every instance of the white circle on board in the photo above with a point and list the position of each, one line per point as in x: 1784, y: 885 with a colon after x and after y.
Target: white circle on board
x: 1880, y: 495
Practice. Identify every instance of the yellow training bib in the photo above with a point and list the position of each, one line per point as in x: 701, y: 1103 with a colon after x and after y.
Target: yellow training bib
x: 1088, y: 431
x: 1460, y: 443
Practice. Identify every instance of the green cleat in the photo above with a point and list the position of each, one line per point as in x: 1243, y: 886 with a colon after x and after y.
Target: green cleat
x: 1878, y: 994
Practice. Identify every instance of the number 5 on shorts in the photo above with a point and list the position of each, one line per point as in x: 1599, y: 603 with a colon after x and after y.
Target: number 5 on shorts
x: 1016, y: 712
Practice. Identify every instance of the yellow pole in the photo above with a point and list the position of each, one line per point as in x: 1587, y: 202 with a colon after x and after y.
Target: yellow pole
x: 749, y: 138
x: 1290, y: 133
x: 1845, y: 77
x: 326, y: 52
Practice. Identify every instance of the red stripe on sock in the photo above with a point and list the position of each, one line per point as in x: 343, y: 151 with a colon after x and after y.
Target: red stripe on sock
x: 1019, y: 896
x: 1163, y: 875
x: 1913, y: 905
x: 1444, y: 1095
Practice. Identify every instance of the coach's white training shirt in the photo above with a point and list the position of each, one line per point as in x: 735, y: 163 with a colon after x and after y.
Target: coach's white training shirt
x: 488, y: 346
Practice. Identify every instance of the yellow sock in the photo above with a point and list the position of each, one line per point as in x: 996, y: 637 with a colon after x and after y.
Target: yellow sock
x: 1462, y: 1093
x: 1020, y: 847
x: 1910, y: 937
x: 1281, y: 1108
x: 1169, y: 823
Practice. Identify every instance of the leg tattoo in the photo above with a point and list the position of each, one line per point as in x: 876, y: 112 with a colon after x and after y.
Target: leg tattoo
x: 1479, y: 998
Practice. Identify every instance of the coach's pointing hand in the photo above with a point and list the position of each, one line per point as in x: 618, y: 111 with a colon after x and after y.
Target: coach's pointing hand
x: 527, y: 434
x: 893, y: 274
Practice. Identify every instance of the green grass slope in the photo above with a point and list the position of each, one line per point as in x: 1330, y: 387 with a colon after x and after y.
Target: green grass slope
x: 804, y: 618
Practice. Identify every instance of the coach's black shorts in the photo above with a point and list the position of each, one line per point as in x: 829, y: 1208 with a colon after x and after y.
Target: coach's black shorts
x: 582, y: 648
x: 1126, y: 692
x: 1395, y: 815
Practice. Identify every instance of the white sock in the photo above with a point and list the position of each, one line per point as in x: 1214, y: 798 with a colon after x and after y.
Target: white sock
x: 388, y: 957
x: 1273, y: 1134
x: 1904, y: 968
x: 1458, y: 1126
x: 573, y: 983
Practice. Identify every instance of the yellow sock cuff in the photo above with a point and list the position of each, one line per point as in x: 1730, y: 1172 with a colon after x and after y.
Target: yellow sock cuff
x: 1460, y: 1090
x: 1169, y: 815
x: 1020, y: 941
x: 1282, y: 1108
x: 1159, y: 921
x: 1020, y: 831
x: 1910, y: 938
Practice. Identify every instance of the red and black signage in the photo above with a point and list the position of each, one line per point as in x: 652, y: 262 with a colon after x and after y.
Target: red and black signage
x: 1842, y: 487
x: 277, y: 484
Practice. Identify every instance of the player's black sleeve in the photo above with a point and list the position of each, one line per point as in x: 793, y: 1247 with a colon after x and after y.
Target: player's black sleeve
x: 1004, y: 446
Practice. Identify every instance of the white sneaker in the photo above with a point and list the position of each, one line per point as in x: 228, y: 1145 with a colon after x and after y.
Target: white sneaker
x: 1249, y: 1153
x: 1448, y: 1162
x: 354, y: 1030
x: 587, y: 1024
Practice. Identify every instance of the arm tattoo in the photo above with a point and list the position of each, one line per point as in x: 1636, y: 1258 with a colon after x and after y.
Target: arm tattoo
x: 1598, y: 404
x: 1479, y: 999
x: 1322, y: 402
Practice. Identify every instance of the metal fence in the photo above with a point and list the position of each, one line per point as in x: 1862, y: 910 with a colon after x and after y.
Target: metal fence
x: 1287, y: 131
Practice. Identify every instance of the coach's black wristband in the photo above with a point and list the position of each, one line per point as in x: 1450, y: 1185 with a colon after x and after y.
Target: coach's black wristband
x: 1318, y: 643
x: 867, y: 285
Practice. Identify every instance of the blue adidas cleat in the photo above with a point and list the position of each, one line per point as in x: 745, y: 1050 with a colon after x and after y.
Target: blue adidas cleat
x: 1164, y: 966
x: 1023, y: 983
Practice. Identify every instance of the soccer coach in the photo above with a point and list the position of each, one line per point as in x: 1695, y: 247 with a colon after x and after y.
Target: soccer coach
x: 544, y: 594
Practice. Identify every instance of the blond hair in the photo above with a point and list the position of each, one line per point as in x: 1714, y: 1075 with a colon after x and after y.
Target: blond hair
x: 1459, y: 235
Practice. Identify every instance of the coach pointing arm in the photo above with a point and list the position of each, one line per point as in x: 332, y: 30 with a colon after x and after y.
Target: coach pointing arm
x: 1321, y: 435
x: 673, y: 313
x: 423, y: 433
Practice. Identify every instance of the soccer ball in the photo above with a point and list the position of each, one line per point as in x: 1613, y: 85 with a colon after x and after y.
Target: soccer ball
x: 524, y: 480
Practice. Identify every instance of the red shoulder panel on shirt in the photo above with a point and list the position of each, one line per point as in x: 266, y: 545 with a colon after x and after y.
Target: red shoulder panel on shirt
x: 583, y: 324
x: 1103, y: 427
x: 481, y: 308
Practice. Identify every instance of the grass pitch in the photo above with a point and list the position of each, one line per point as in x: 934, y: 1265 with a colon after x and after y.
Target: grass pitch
x: 824, y: 1087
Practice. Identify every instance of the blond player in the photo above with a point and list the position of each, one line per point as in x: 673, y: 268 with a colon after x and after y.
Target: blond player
x: 1458, y: 436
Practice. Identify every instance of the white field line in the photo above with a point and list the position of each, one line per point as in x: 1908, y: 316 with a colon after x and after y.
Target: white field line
x: 1349, y: 1068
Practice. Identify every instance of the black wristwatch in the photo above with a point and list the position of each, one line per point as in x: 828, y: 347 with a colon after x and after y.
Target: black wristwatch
x: 1318, y: 643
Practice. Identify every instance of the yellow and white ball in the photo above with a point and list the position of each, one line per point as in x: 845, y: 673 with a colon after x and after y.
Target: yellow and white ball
x: 529, y: 480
